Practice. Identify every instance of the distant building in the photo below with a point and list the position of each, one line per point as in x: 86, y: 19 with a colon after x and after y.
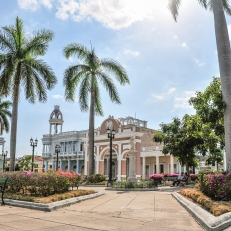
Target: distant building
x: 74, y: 148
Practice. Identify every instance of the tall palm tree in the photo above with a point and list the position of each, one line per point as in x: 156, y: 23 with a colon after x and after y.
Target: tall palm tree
x: 87, y: 76
x: 218, y: 7
x: 4, y: 114
x: 20, y: 68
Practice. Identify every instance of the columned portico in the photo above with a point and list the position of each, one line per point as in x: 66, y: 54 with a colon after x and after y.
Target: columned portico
x: 157, y: 165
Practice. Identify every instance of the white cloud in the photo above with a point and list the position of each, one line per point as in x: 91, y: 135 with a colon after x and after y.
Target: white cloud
x: 175, y: 36
x: 130, y: 52
x: 114, y: 14
x: 34, y: 4
x: 159, y: 97
x: 182, y: 102
x: 171, y: 90
x: 57, y: 96
x: 184, y: 45
x: 200, y: 64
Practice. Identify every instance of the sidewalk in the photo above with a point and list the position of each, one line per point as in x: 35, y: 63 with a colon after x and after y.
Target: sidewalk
x: 122, y: 211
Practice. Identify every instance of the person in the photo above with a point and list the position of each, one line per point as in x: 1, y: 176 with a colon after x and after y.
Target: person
x: 179, y: 179
x: 185, y: 179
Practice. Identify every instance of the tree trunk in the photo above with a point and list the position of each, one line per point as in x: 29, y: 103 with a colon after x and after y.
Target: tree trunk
x: 91, y: 130
x: 224, y: 58
x: 14, y: 119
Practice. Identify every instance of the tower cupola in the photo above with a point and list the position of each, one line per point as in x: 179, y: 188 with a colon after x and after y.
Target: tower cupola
x: 56, y: 119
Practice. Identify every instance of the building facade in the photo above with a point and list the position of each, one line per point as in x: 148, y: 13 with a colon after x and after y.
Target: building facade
x: 74, y: 148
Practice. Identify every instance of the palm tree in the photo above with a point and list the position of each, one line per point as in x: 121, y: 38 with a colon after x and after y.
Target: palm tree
x: 4, y: 113
x: 224, y: 57
x: 20, y: 68
x: 87, y: 76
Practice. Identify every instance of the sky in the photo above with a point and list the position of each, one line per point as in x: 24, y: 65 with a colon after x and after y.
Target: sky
x: 167, y: 62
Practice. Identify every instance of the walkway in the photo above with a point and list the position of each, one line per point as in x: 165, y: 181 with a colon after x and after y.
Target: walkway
x: 122, y: 211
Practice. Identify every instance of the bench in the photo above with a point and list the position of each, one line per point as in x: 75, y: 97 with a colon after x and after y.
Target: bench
x: 3, y: 182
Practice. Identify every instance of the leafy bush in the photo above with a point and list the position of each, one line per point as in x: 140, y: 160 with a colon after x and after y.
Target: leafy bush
x: 96, y: 178
x: 216, y: 186
x: 44, y: 184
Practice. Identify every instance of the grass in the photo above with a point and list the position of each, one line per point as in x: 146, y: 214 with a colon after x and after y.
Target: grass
x: 48, y: 199
x: 216, y: 208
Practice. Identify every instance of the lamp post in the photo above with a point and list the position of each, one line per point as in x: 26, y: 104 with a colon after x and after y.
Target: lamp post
x: 33, y: 144
x: 57, y: 151
x: 111, y: 135
x: 4, y: 156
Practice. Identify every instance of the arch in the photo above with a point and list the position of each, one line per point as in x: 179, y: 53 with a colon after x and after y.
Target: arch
x: 124, y: 153
x: 104, y: 151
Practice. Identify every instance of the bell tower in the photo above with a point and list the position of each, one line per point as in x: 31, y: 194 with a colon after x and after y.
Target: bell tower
x: 56, y: 119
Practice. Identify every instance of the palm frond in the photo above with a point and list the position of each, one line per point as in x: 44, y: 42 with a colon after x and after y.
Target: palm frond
x: 44, y: 71
x: 116, y: 69
x: 173, y: 6
x: 84, y: 91
x: 110, y: 87
x: 76, y: 49
x: 4, y: 123
x: 203, y: 3
x: 6, y: 43
x: 38, y: 44
x: 72, y: 77
x: 226, y: 6
x: 98, y: 106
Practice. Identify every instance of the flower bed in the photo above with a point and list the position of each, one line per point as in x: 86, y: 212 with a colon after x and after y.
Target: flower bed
x: 41, y: 184
x: 216, y: 208
x: 156, y: 176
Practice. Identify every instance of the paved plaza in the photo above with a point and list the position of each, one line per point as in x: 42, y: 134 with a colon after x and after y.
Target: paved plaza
x: 122, y: 211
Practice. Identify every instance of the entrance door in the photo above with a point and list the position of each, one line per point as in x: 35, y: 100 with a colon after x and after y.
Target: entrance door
x: 147, y: 171
x: 161, y: 168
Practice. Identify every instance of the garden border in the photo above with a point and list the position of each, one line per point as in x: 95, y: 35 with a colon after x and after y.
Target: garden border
x: 132, y: 189
x: 54, y: 205
x: 203, y: 217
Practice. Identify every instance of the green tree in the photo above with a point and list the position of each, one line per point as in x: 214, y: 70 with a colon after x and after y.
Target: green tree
x: 88, y: 76
x: 25, y: 163
x: 20, y: 68
x: 179, y: 142
x: 215, y: 157
x: 4, y: 115
x: 224, y: 57
x: 210, y: 108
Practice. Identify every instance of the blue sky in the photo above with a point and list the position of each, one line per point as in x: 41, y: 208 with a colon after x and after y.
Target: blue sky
x: 165, y: 61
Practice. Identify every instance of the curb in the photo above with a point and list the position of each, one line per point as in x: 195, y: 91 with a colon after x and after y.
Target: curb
x: 133, y: 189
x: 204, y: 218
x: 51, y: 206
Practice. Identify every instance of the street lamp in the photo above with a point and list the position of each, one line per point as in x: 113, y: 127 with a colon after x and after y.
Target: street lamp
x: 111, y: 135
x: 4, y: 156
x: 33, y: 144
x: 57, y: 151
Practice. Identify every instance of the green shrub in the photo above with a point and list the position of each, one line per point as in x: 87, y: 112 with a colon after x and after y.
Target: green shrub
x: 96, y: 178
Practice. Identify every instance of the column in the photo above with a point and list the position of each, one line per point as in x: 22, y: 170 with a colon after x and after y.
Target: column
x: 97, y: 158
x: 50, y: 129
x: 144, y: 165
x: 171, y: 164
x: 53, y: 165
x: 157, y: 165
x: 78, y: 146
x: 46, y: 165
x: 61, y: 128
x: 61, y: 163
x: 43, y: 148
x: 77, y: 166
x: 108, y: 166
x: 85, y: 160
x: 69, y: 165
x: 179, y: 167
x: 119, y: 161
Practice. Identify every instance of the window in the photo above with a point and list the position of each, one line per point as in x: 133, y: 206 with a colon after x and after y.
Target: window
x: 81, y: 146
x: 65, y: 147
x: 74, y: 145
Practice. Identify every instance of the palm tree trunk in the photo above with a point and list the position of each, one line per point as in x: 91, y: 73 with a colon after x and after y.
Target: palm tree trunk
x: 91, y: 130
x: 14, y: 120
x: 224, y: 58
